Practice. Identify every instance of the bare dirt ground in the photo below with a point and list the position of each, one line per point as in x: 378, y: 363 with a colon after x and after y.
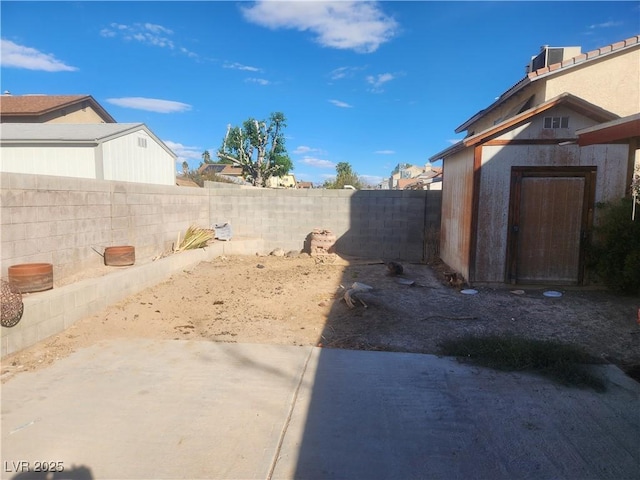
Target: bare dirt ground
x: 299, y: 301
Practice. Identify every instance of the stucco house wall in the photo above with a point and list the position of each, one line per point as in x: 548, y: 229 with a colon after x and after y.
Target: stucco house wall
x: 78, y: 115
x: 612, y: 83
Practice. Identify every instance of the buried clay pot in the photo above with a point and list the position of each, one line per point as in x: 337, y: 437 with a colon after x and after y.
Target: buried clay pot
x: 322, y: 242
x: 31, y: 277
x: 120, y: 256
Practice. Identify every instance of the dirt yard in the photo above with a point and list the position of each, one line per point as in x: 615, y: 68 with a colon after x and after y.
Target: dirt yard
x: 299, y: 301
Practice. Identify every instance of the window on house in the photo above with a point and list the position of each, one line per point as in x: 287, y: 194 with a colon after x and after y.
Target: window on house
x: 556, y: 122
x: 142, y: 142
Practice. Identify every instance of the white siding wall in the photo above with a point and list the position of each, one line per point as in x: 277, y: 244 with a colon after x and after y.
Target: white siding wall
x: 124, y: 160
x: 42, y: 160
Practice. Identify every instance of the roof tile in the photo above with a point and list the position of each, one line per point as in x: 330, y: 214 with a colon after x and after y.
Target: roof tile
x: 35, y: 104
x: 617, y: 45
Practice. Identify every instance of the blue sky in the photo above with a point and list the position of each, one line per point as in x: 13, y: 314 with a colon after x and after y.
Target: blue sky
x: 372, y: 84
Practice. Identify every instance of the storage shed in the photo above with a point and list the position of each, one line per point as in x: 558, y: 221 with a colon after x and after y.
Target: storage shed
x: 127, y: 152
x: 519, y: 190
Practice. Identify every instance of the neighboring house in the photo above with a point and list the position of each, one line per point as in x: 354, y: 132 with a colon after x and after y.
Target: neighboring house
x: 306, y: 185
x: 183, y: 181
x: 221, y: 169
x: 519, y: 190
x: 52, y: 109
x: 412, y: 177
x: 127, y: 152
x: 285, y: 181
x: 403, y: 171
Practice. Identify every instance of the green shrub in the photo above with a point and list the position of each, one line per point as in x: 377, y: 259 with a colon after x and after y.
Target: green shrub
x: 615, y: 251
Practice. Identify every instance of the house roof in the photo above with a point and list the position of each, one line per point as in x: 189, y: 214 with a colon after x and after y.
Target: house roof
x: 221, y: 169
x: 37, y: 105
x: 68, y: 133
x: 575, y: 103
x: 554, y: 69
x: 615, y: 131
x: 185, y: 182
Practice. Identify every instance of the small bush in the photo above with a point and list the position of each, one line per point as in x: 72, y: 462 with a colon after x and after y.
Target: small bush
x: 562, y: 363
x: 615, y: 252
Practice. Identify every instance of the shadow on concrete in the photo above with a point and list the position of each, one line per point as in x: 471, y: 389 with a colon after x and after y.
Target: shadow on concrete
x: 382, y: 415
x: 344, y: 435
x: 74, y: 473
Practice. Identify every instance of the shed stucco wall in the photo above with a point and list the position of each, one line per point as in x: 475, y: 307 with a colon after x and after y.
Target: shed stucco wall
x: 457, y: 199
x: 493, y: 208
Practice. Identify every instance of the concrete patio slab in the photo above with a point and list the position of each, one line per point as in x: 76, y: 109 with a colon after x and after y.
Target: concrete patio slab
x: 143, y: 409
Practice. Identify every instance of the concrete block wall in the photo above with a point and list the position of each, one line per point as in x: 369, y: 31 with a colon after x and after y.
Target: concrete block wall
x: 69, y: 221
x: 65, y: 221
x: 62, y: 221
x: 373, y: 223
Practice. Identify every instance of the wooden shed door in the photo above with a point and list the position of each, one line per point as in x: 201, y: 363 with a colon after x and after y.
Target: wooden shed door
x: 550, y: 216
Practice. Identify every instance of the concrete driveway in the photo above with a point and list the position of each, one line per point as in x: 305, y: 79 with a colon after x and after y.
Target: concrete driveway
x: 143, y: 409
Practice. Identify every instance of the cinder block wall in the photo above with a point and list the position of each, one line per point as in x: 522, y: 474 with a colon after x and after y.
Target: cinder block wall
x: 64, y: 221
x: 371, y: 223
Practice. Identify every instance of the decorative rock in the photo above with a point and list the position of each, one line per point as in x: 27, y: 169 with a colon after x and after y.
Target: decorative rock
x: 278, y: 252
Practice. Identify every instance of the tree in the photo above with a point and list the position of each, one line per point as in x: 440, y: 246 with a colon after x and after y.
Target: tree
x: 185, y: 168
x: 345, y: 176
x: 206, y: 157
x: 258, y: 147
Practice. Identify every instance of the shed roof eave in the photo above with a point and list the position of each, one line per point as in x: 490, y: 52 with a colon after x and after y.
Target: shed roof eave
x: 456, y: 147
x: 619, y: 130
x: 501, y: 99
x: 574, y: 102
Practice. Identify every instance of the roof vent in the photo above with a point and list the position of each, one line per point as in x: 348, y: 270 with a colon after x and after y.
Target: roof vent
x: 551, y: 55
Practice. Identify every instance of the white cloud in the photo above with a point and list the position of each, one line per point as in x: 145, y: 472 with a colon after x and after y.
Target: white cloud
x: 150, y: 104
x: 343, y: 72
x: 340, y: 104
x: 372, y: 180
x: 377, y: 81
x: 157, y: 29
x: 239, y: 66
x: 303, y: 149
x: 608, y: 24
x: 145, y: 33
x: 184, y: 152
x: 259, y: 81
x: 317, y: 162
x: 346, y: 25
x: 385, y: 152
x: 19, y: 56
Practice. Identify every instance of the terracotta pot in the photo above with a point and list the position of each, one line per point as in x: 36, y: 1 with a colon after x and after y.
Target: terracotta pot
x: 120, y: 256
x: 31, y: 277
